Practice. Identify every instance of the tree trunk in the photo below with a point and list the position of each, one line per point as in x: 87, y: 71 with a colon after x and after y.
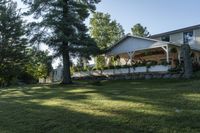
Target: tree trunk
x: 66, y: 75
x: 65, y: 48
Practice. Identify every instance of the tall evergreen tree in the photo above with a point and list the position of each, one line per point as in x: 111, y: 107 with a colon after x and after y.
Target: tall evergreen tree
x: 12, y: 41
x: 62, y: 28
x: 140, y: 30
x: 104, y: 30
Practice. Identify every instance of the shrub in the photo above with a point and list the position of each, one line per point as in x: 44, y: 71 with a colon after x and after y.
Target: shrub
x: 165, y: 63
x: 196, y: 74
x: 96, y: 83
x: 27, y: 78
x: 100, y: 62
x: 196, y: 67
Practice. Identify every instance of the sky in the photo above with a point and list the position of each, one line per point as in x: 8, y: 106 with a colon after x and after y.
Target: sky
x: 157, y: 15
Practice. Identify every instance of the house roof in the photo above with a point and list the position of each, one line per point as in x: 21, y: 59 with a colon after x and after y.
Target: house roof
x: 157, y: 43
x: 176, y: 31
x: 133, y: 36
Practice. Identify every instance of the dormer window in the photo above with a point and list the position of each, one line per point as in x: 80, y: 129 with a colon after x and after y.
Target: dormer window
x: 188, y: 37
x: 165, y: 38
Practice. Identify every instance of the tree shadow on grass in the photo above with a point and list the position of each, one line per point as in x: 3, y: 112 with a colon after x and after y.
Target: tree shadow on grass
x: 164, y: 95
x: 31, y: 117
x: 18, y: 113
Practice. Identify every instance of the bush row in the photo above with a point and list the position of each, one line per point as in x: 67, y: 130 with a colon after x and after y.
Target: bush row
x: 138, y: 64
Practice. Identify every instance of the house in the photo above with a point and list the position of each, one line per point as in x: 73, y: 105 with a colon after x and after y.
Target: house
x: 161, y: 48
x: 57, y: 74
x: 164, y: 50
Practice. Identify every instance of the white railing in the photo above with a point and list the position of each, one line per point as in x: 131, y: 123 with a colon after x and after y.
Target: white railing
x: 131, y: 70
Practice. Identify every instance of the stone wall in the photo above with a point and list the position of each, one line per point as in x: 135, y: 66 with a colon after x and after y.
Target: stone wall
x: 134, y: 76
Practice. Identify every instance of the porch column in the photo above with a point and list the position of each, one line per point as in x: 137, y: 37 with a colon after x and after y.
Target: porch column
x: 130, y: 54
x: 126, y: 60
x: 107, y: 58
x: 179, y: 54
x: 166, y: 49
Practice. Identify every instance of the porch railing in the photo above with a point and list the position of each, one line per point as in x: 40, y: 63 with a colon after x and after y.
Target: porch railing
x: 130, y: 70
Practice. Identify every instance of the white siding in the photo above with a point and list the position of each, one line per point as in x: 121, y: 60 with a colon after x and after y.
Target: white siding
x: 131, y: 44
x: 158, y: 38
x: 177, y: 38
x: 197, y: 36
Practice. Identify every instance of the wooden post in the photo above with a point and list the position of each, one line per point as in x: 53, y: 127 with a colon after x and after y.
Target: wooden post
x: 130, y: 54
x: 166, y: 49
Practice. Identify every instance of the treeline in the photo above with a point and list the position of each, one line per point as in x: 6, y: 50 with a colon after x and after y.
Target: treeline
x: 106, y: 32
x: 61, y: 26
x: 19, y: 61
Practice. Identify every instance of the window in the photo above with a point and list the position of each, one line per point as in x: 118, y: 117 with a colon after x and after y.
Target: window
x: 165, y: 38
x: 188, y: 37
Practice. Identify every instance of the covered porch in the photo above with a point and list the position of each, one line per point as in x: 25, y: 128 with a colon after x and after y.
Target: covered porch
x: 133, y: 50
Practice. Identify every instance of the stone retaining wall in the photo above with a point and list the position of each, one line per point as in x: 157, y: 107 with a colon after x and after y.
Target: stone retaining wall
x: 134, y: 76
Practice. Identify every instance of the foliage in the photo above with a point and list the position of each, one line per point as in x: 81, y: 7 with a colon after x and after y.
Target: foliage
x: 151, y: 63
x: 139, y: 30
x: 177, y: 69
x: 112, y: 61
x: 196, y: 75
x: 12, y: 42
x: 62, y: 28
x: 173, y: 50
x: 165, y: 63
x: 104, y: 30
x: 100, y: 62
x: 39, y: 64
x: 195, y: 66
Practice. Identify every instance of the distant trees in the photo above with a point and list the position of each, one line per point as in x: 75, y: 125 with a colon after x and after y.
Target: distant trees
x: 12, y: 42
x: 139, y: 30
x: 62, y: 28
x: 104, y: 30
x: 37, y: 66
x: 100, y: 62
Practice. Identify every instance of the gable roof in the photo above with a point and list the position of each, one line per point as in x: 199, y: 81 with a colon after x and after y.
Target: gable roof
x: 157, y: 43
x: 133, y: 36
x: 176, y: 31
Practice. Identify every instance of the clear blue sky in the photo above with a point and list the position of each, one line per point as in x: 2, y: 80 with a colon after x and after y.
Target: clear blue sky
x: 157, y: 15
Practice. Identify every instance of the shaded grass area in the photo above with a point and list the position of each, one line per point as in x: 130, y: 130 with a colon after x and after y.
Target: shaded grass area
x: 112, y: 107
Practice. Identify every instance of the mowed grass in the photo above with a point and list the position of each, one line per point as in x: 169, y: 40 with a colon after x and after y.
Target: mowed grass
x: 166, y: 106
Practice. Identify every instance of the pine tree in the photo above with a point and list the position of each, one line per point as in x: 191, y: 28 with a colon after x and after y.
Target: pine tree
x: 62, y: 27
x: 139, y: 30
x: 104, y: 30
x: 12, y: 41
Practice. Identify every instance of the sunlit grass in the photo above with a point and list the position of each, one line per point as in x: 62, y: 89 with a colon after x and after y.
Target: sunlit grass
x: 116, y: 106
x: 195, y: 97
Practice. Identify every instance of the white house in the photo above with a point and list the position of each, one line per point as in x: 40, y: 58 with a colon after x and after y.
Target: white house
x: 160, y: 48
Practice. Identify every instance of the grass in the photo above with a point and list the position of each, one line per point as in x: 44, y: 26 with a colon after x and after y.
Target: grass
x: 165, y: 106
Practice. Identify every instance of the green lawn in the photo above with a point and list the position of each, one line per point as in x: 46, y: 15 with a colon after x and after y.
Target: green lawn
x: 116, y: 107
